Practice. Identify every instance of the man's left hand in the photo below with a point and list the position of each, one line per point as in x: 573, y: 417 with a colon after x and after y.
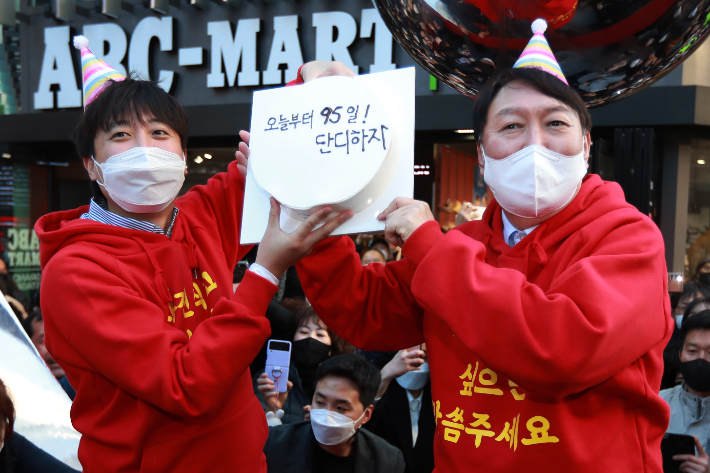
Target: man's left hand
x: 403, y: 217
x: 693, y: 463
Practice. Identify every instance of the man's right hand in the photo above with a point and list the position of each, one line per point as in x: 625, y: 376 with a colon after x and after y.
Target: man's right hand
x: 699, y: 463
x: 315, y: 69
x: 279, y: 250
x: 274, y: 400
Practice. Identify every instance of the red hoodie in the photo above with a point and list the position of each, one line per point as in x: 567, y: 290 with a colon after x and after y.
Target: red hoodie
x: 544, y: 357
x: 154, y: 341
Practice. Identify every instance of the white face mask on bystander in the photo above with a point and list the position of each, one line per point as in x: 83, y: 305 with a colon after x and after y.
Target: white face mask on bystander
x: 416, y: 379
x: 332, y: 428
x: 535, y: 181
x: 142, y: 179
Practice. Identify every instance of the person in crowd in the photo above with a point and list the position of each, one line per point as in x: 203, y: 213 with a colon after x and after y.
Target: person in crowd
x: 381, y: 244
x: 691, y: 291
x: 702, y: 274
x: 137, y: 294
x: 690, y: 402
x: 8, y: 286
x: 402, y: 415
x: 17, y: 308
x: 526, y: 313
x: 313, y: 343
x: 332, y: 441
x: 691, y: 301
x: 374, y: 255
x: 17, y: 454
x: 468, y: 213
x: 34, y: 327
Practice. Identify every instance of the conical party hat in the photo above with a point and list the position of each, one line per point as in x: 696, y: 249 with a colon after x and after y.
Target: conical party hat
x: 95, y: 72
x: 538, y: 53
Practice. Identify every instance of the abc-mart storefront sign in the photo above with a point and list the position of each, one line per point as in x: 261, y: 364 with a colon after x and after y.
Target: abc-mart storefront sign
x: 204, y: 62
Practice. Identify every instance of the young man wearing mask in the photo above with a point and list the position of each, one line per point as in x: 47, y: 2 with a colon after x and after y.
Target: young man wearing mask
x: 402, y: 415
x: 690, y: 402
x: 137, y: 293
x: 546, y: 320
x: 332, y: 441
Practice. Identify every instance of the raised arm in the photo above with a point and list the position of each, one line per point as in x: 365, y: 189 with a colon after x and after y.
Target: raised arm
x: 370, y: 306
x: 216, y: 208
x: 607, y: 307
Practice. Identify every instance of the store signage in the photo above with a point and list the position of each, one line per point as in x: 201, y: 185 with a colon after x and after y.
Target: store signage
x: 233, y: 52
x: 22, y: 255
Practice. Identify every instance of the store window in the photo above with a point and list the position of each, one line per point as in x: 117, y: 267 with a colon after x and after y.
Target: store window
x: 698, y: 234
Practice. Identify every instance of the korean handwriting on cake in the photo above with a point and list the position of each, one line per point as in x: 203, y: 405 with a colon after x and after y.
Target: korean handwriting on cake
x: 284, y: 122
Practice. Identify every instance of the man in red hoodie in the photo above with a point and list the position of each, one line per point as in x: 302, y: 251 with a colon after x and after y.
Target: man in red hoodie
x: 138, y: 302
x: 545, y: 321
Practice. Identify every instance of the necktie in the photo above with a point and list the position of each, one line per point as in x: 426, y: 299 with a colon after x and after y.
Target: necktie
x: 516, y: 237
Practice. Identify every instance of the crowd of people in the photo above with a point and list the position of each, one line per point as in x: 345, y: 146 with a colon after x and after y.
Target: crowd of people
x: 529, y: 339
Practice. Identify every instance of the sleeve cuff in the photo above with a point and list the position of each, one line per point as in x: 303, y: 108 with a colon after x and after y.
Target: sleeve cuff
x: 420, y: 242
x: 264, y: 273
x: 299, y: 79
x: 255, y: 292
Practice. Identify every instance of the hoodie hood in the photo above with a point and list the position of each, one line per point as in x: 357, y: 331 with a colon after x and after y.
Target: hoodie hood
x: 595, y: 199
x: 60, y: 229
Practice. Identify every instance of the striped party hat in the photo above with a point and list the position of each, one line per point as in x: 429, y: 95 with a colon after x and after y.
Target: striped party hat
x: 96, y: 73
x: 538, y: 53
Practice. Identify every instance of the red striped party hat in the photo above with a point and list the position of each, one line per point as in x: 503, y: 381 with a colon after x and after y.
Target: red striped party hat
x: 95, y: 72
x: 538, y: 53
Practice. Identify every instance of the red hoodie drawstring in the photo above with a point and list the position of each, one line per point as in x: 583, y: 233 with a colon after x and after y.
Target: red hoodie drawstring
x: 192, y: 254
x: 160, y: 283
x: 486, y: 239
x: 535, y: 245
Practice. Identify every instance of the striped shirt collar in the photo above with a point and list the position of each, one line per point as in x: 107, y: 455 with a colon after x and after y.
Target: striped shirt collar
x: 98, y: 213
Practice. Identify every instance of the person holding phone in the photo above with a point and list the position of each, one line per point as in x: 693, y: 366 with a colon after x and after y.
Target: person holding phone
x: 690, y: 402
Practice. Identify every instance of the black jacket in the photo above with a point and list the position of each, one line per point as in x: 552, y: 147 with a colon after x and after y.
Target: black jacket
x: 289, y: 449
x: 391, y: 421
x: 19, y: 455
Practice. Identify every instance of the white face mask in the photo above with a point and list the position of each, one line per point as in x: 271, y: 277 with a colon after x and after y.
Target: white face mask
x: 332, y: 428
x: 534, y: 182
x: 679, y: 320
x: 143, y: 180
x: 414, y: 380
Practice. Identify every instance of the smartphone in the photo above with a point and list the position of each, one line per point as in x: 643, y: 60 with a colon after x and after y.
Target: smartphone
x: 278, y: 358
x: 675, y: 444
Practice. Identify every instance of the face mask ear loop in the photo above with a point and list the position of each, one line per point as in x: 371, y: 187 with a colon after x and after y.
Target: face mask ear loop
x: 97, y: 168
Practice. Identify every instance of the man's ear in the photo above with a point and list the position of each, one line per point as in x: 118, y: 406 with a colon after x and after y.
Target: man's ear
x: 587, y: 147
x: 481, y: 162
x: 367, y: 414
x: 90, y: 168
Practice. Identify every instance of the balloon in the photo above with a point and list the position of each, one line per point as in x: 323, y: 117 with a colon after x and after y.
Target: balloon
x: 607, y: 49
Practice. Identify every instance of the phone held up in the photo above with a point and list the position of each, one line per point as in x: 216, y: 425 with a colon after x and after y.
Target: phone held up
x: 675, y: 444
x: 278, y: 358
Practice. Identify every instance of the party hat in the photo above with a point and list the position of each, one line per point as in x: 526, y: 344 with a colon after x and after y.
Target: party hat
x: 96, y: 73
x: 538, y: 53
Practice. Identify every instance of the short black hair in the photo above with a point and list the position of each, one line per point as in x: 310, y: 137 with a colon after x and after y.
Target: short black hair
x: 35, y: 316
x: 355, y: 368
x: 130, y: 100
x: 692, y: 307
x: 699, y: 321
x: 537, y: 79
